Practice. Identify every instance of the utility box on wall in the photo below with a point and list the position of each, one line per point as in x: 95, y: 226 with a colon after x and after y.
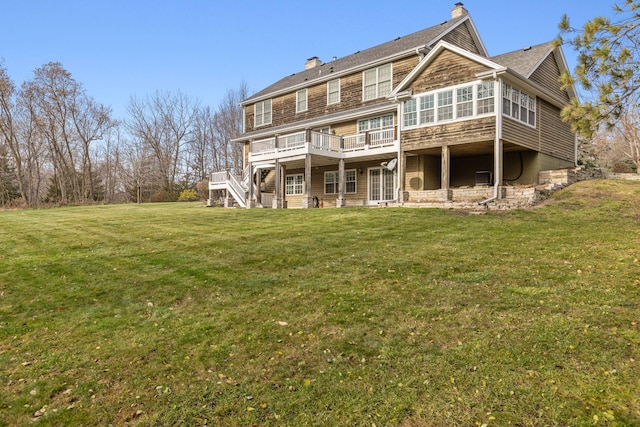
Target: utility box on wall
x: 484, y: 178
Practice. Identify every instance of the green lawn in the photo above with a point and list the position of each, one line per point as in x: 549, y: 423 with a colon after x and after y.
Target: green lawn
x: 172, y: 314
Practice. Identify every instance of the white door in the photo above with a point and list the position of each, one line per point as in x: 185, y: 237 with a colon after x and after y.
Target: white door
x: 381, y: 185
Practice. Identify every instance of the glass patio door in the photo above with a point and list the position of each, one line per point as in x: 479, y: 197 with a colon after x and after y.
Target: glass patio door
x: 381, y: 185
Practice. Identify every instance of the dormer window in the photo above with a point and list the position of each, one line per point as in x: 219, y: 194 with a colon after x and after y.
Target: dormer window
x: 262, y: 113
x: 376, y: 82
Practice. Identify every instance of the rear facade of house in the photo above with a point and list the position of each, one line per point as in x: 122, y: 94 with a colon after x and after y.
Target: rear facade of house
x: 425, y: 118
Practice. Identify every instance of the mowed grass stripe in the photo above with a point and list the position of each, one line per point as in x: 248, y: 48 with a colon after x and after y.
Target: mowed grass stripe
x: 174, y: 314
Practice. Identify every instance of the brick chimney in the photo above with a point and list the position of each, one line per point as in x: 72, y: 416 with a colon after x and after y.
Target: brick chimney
x: 459, y: 11
x: 312, y: 63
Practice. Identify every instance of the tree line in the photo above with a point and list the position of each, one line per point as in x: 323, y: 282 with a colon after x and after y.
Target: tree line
x: 58, y: 146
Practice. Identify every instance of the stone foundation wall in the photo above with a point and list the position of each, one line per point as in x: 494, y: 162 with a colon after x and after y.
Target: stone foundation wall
x: 631, y: 176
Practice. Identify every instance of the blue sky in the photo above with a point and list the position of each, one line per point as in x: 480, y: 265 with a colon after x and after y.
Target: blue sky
x: 121, y: 48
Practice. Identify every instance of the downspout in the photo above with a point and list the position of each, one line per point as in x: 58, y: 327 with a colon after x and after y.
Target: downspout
x: 496, y: 145
x: 399, y: 163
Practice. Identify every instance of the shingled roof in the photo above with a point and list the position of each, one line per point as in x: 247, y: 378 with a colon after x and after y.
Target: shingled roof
x: 524, y: 61
x: 428, y: 37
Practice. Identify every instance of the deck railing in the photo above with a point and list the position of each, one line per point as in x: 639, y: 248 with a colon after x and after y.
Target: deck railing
x: 219, y: 177
x: 323, y: 141
x: 263, y: 146
x: 381, y: 137
x: 291, y: 141
x: 355, y: 142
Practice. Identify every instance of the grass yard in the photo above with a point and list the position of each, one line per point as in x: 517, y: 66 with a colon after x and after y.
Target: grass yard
x: 170, y: 314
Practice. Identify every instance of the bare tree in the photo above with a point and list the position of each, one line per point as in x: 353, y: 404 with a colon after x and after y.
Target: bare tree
x: 90, y: 121
x: 201, y: 144
x: 111, y: 164
x: 617, y: 147
x: 8, y: 138
x: 161, y: 123
x: 69, y: 122
x: 228, y: 125
x: 22, y: 142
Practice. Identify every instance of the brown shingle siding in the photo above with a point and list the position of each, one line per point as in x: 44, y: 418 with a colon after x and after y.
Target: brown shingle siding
x: 461, y: 36
x: 547, y: 75
x: 284, y: 106
x: 518, y: 133
x: 556, y: 138
x: 461, y: 132
x: 448, y: 69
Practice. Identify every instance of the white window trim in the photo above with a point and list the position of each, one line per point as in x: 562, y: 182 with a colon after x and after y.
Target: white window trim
x: 383, y: 171
x: 304, y: 93
x: 294, y: 178
x: 255, y: 113
x: 454, y: 105
x: 518, y: 119
x: 377, y: 84
x: 329, y: 92
x: 368, y: 119
x: 336, y: 183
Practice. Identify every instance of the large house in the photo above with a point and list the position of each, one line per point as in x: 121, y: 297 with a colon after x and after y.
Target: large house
x: 429, y: 117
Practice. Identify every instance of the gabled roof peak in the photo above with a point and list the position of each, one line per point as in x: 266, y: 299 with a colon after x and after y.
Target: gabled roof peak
x: 524, y: 60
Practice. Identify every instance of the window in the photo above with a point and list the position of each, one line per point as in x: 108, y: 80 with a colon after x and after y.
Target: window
x: 301, y: 100
x: 445, y: 105
x: 518, y: 104
x: 375, y: 123
x: 350, y: 183
x: 515, y: 102
x: 427, y: 109
x: 376, y: 82
x: 524, y: 104
x: 410, y: 116
x: 454, y: 103
x: 263, y: 113
x: 332, y: 179
x: 331, y: 182
x: 333, y: 91
x: 464, y: 102
x: 293, y: 185
x: 506, y: 99
x: 485, y: 98
x: 532, y: 111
